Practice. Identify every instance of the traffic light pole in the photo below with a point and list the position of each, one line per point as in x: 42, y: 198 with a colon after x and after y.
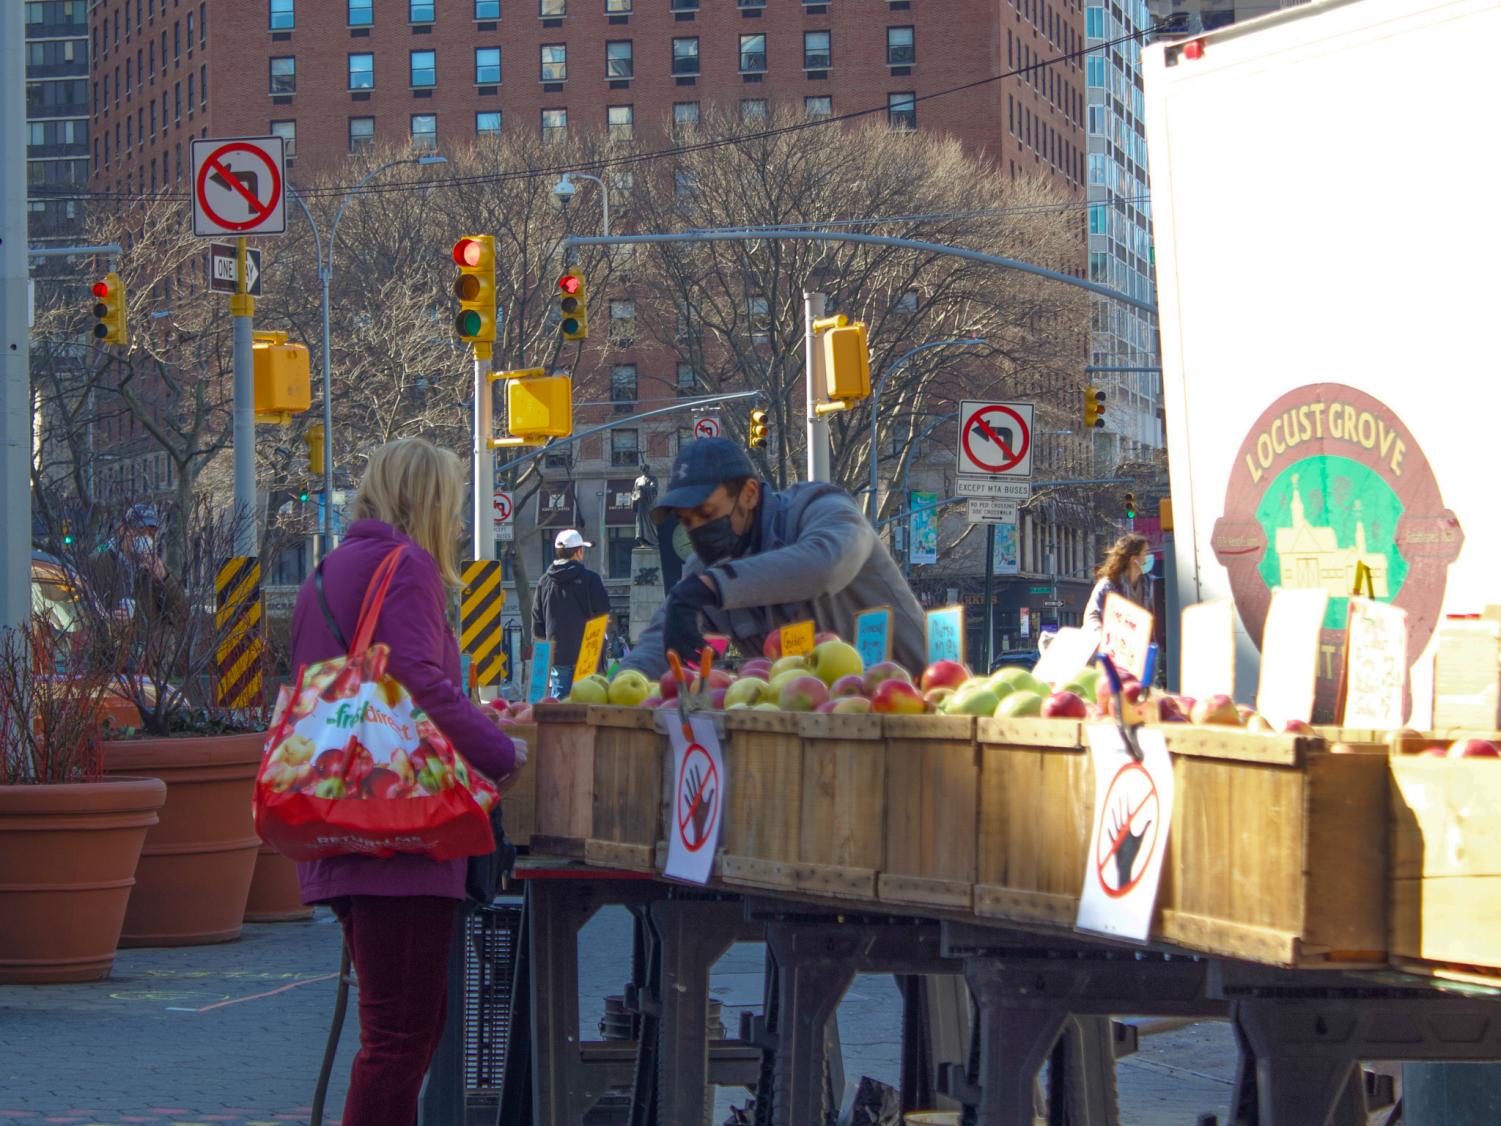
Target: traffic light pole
x: 818, y: 426
x: 15, y: 370
x: 242, y: 306
x: 484, y: 455
x: 989, y: 600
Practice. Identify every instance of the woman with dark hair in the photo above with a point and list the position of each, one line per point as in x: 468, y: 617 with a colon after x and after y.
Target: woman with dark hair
x: 1123, y: 572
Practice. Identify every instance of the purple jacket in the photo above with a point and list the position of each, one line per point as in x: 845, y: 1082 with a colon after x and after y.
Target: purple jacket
x: 424, y: 658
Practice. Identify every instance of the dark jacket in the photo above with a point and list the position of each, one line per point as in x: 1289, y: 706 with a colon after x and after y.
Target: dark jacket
x: 425, y: 659
x: 818, y: 558
x: 568, y: 595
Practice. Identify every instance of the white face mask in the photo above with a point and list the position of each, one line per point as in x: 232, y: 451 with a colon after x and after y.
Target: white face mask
x: 142, y: 545
x: 1147, y: 563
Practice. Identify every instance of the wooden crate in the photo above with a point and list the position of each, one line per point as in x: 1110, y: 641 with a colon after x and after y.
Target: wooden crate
x: 1273, y: 855
x: 519, y: 806
x: 842, y: 833
x: 932, y: 810
x: 763, y: 762
x: 1036, y: 803
x: 598, y: 785
x: 1446, y: 862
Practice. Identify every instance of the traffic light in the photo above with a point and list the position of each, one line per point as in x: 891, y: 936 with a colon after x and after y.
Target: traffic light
x: 109, y: 310
x: 758, y: 431
x: 573, y: 307
x: 303, y: 495
x: 538, y: 406
x: 846, y: 363
x: 475, y: 288
x: 1094, y: 408
x: 281, y: 377
x: 1130, y: 506
x: 314, y: 440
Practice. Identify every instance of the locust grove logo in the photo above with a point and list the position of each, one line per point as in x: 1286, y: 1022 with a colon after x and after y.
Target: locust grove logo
x: 1328, y: 478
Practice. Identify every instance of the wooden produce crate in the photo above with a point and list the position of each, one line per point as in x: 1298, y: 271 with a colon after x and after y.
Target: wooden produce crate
x: 1275, y: 855
x: 519, y: 805
x: 599, y: 785
x: 932, y: 811
x: 763, y: 762
x: 841, y: 832
x: 1446, y: 862
x: 1036, y: 802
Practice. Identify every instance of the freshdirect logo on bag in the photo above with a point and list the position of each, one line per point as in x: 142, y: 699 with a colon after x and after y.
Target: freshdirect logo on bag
x: 348, y: 717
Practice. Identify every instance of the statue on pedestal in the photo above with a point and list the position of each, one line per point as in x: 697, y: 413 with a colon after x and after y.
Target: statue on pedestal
x: 643, y: 500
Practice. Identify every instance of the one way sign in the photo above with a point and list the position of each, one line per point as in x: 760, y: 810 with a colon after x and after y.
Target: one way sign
x: 223, y: 273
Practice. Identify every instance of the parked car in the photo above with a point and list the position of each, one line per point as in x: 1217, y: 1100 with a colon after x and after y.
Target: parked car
x: 1021, y: 658
x: 55, y: 595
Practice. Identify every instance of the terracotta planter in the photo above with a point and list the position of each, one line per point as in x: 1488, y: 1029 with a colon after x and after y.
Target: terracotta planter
x: 195, y: 870
x: 68, y: 857
x: 275, y: 896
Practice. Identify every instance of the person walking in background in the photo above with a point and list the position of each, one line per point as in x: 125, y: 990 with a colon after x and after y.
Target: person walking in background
x: 1125, y: 572
x: 398, y: 913
x: 567, y: 596
x: 129, y: 572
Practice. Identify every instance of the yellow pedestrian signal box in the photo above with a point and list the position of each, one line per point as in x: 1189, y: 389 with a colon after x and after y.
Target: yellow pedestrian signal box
x: 846, y: 363
x: 475, y: 288
x: 1094, y: 408
x: 573, y: 307
x: 758, y: 430
x: 314, y: 440
x: 109, y: 310
x: 283, y: 377
x: 538, y: 406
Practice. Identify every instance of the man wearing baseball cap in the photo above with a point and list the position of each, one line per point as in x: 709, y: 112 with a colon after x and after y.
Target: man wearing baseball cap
x: 767, y: 559
x: 567, y: 596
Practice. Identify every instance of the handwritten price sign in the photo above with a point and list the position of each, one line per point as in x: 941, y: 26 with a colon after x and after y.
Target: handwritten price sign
x: 1127, y: 634
x: 591, y: 647
x: 1375, y: 665
x: 873, y: 635
x: 797, y: 639
x: 536, y: 688
x: 946, y: 634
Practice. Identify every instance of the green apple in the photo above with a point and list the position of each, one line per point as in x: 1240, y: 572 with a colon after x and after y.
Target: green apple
x: 747, y: 692
x: 590, y: 690
x: 832, y: 660
x: 786, y: 676
x: 629, y: 688
x: 975, y: 701
x: 783, y: 664
x: 1019, y: 703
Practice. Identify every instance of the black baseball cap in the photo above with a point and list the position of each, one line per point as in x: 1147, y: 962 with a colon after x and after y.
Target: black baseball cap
x: 701, y: 467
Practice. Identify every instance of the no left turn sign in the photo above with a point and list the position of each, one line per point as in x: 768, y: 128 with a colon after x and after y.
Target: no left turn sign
x: 706, y: 427
x: 502, y: 505
x: 995, y: 439
x: 239, y: 186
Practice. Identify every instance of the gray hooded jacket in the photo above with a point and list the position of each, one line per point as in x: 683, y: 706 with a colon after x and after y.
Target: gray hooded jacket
x: 820, y: 559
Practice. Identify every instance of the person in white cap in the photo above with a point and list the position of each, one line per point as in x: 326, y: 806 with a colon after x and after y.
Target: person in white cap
x: 567, y: 596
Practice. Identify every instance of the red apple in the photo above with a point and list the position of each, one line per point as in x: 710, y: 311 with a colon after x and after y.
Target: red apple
x: 1297, y: 727
x: 652, y: 702
x: 803, y: 693
x: 669, y: 686
x: 827, y: 706
x: 522, y: 713
x: 1245, y: 711
x: 944, y: 674
x: 897, y: 697
x: 851, y: 705
x: 716, y: 698
x: 771, y: 648
x: 1473, y: 748
x: 757, y: 667
x: 1219, y: 709
x: 1169, y: 711
x: 825, y: 635
x: 848, y: 686
x: 1064, y: 705
x: 720, y: 678
x: 1438, y: 749
x: 883, y: 671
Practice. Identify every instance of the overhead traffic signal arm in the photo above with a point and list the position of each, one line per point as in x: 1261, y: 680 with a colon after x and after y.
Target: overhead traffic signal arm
x: 109, y: 310
x: 475, y: 288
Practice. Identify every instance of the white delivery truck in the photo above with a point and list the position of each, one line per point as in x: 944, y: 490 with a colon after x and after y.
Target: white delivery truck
x: 1325, y: 200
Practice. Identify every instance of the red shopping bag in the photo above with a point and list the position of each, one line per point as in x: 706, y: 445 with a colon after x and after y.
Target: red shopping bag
x: 352, y: 766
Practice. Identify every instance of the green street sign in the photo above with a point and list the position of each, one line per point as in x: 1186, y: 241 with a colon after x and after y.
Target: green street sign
x: 1040, y: 590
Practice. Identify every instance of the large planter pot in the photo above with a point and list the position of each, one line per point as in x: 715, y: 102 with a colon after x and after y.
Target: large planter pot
x: 195, y: 870
x: 68, y: 858
x: 275, y: 895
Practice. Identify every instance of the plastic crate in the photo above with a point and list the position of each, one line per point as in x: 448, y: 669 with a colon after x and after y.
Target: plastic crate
x: 489, y: 970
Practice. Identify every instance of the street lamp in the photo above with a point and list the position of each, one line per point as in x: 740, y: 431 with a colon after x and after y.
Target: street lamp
x: 875, y: 402
x: 325, y: 275
x: 565, y: 191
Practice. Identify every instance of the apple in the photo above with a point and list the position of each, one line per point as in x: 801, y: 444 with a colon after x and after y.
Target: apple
x: 1218, y: 709
x: 1016, y: 677
x: 758, y: 666
x: 851, y: 705
x: 1083, y: 691
x: 652, y: 702
x: 1473, y: 748
x: 1019, y: 703
x: 329, y: 763
x: 975, y: 701
x: 589, y: 691
x: 827, y: 706
x: 720, y: 678
x: 803, y: 693
x: 944, y: 674
x: 768, y: 706
x: 748, y: 690
x: 1168, y: 711
x: 771, y: 647
x: 782, y: 664
x: 1260, y: 724
x: 883, y: 671
x: 1439, y: 749
x: 1298, y: 727
x: 824, y: 635
x: 522, y: 713
x: 895, y: 696
x: 786, y: 677
x: 1245, y: 711
x: 1064, y: 705
x: 669, y: 685
x: 935, y: 697
x: 716, y: 698
x: 835, y: 660
x: 848, y: 686
x: 629, y: 688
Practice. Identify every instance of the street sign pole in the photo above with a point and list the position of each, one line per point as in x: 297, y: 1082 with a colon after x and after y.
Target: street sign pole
x: 15, y: 371
x: 818, y: 426
x: 484, y: 457
x: 989, y: 600
x: 242, y: 307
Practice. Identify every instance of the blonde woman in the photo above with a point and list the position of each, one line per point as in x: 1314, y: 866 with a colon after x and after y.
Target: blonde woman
x: 398, y: 913
x: 1123, y: 572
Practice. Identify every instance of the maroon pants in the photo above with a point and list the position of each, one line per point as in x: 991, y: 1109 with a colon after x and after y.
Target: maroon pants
x: 399, y: 946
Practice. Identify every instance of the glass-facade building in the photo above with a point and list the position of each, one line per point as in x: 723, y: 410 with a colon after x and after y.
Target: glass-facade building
x: 57, y: 119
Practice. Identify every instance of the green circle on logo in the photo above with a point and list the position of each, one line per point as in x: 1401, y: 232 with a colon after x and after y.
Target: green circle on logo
x: 1322, y: 516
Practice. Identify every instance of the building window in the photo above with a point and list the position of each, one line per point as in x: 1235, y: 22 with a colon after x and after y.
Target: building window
x: 283, y: 15
x: 685, y: 5
x: 687, y: 380
x: 487, y: 9
x: 623, y: 387
x: 283, y: 76
x: 487, y: 66
x: 752, y: 54
x: 901, y: 48
x: 622, y: 542
x: 421, y: 11
x: 554, y: 62
x: 620, y: 59
x: 622, y: 323
x: 190, y: 33
x: 751, y: 3
x: 203, y: 85
x: 618, y: 7
x: 361, y: 132
x: 287, y: 131
x: 425, y: 131
x: 423, y: 68
x: 818, y: 53
x: 554, y: 124
x: 685, y: 57
x: 625, y: 447
x: 752, y: 111
x: 818, y: 107
x: 362, y: 72
x: 684, y: 116
x: 487, y: 123
x: 190, y: 95
x: 901, y: 110
x: 553, y: 9
x: 622, y: 122
x: 361, y: 13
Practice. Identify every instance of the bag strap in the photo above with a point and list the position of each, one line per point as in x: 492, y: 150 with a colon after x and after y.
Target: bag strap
x: 328, y: 615
x: 375, y: 597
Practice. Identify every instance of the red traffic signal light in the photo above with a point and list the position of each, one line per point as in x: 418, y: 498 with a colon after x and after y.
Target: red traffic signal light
x: 100, y: 290
x: 468, y: 252
x: 570, y: 284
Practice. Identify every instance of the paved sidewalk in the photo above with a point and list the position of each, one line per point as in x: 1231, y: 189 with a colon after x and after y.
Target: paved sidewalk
x: 233, y: 1034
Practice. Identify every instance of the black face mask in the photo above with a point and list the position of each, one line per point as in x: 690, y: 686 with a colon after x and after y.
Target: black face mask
x: 716, y: 540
